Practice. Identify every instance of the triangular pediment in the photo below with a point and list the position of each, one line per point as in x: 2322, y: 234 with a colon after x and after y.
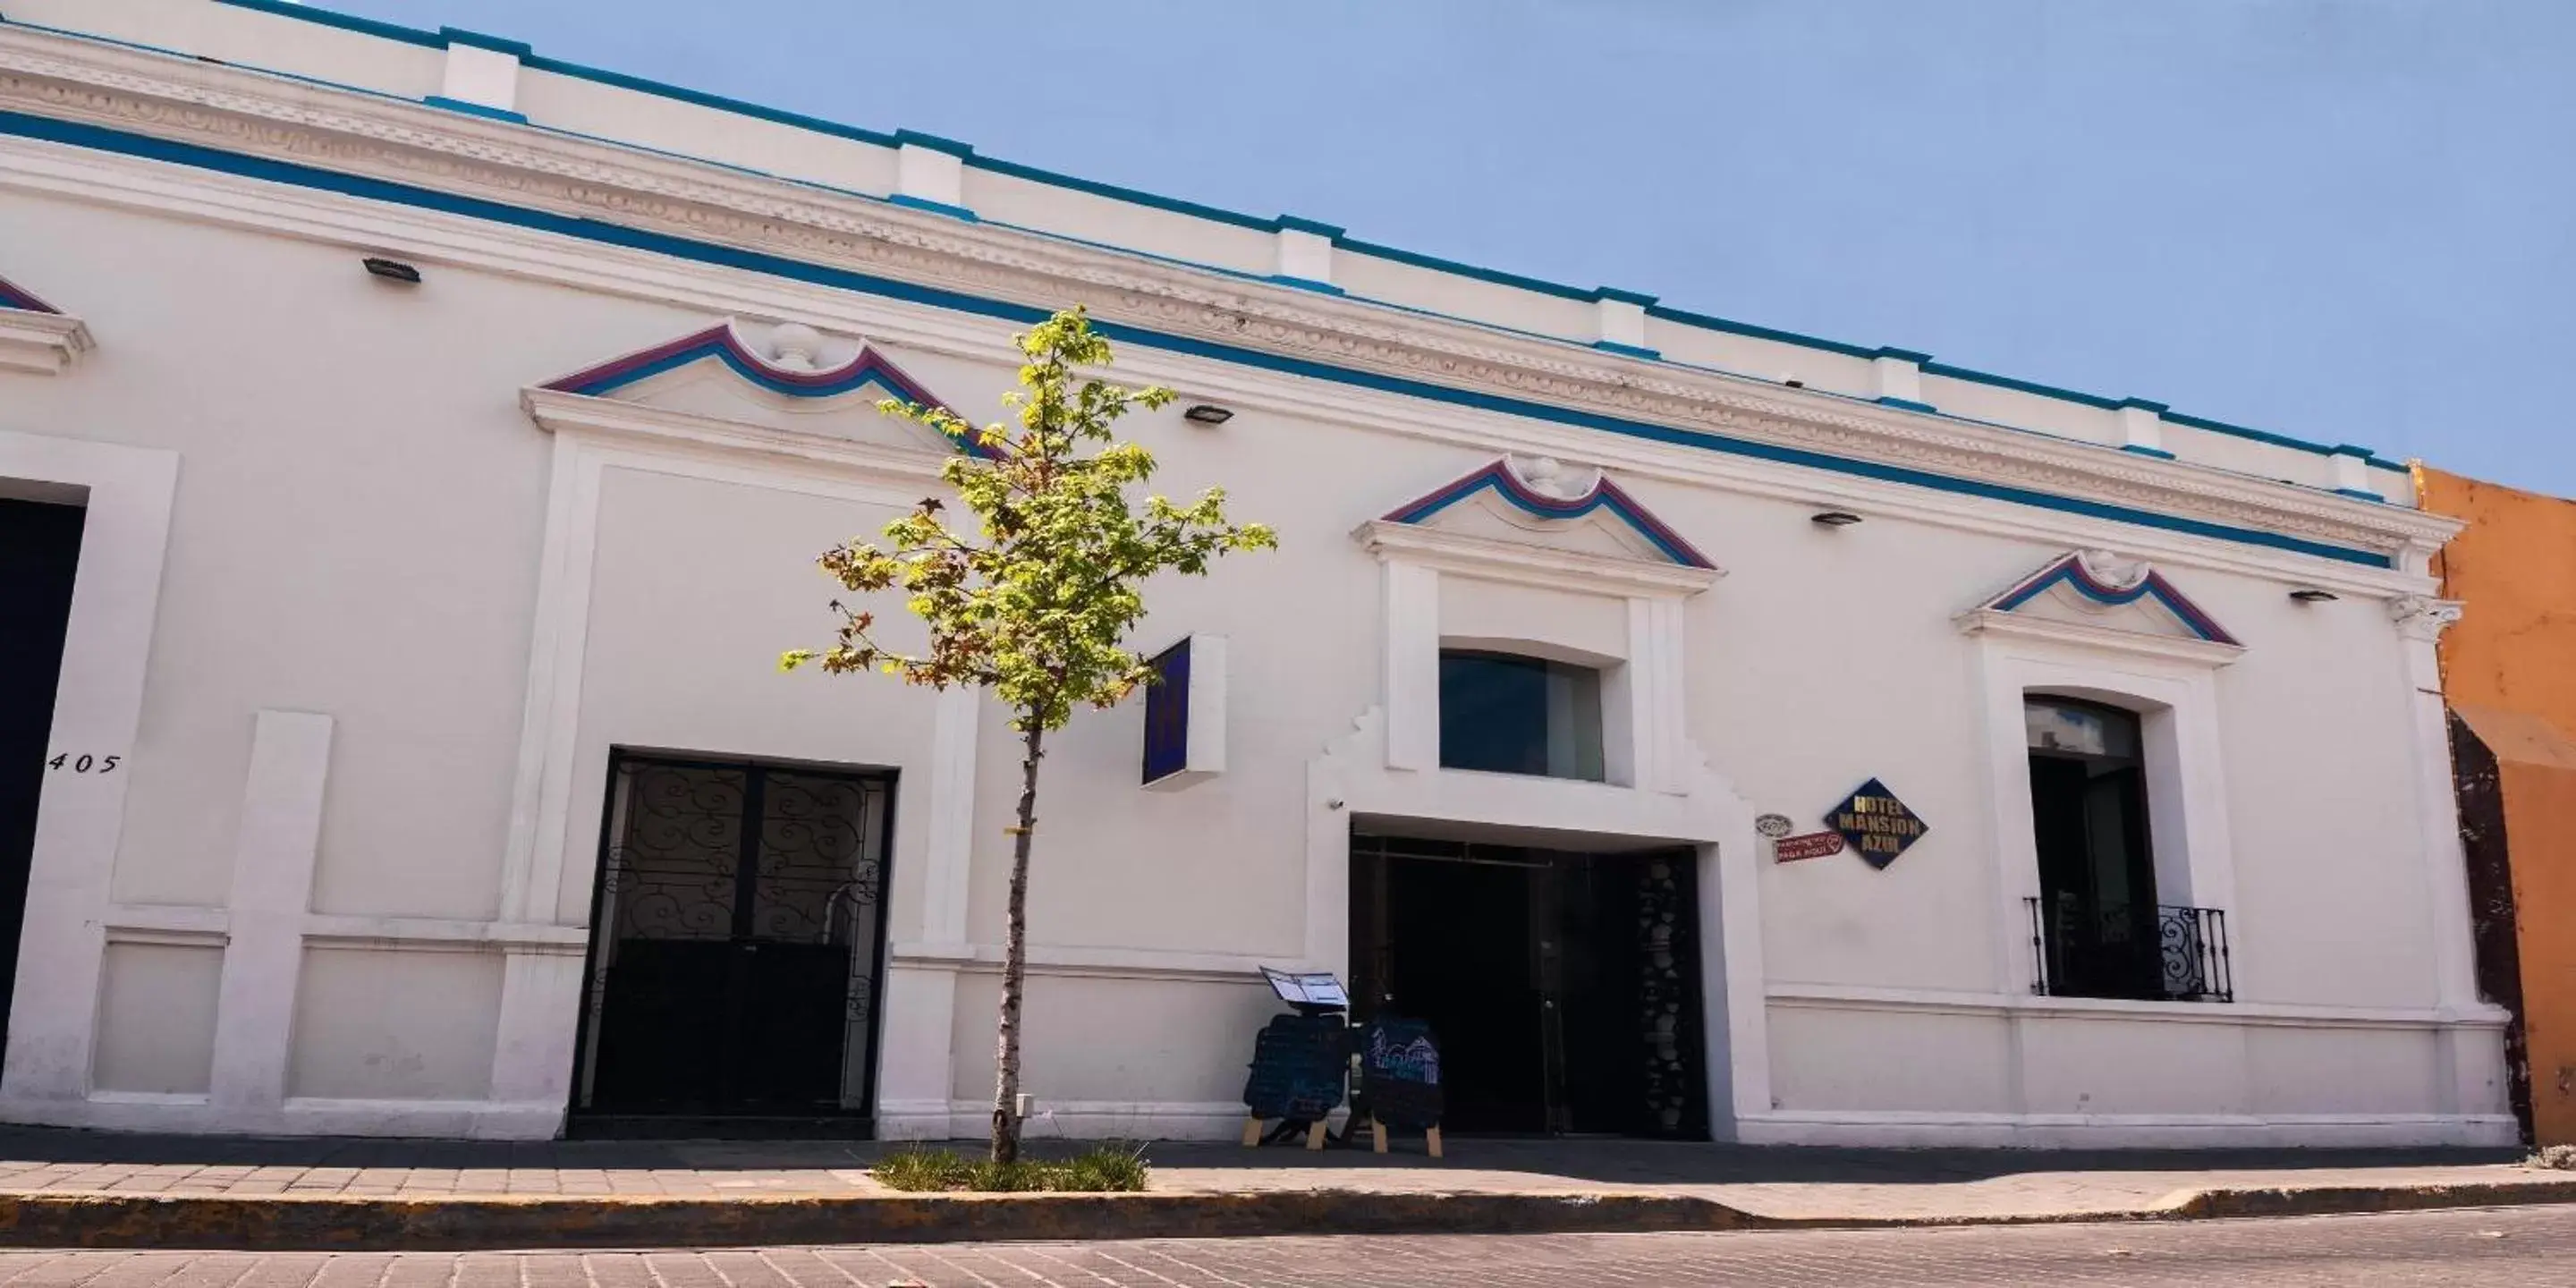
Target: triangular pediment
x: 1546, y: 504
x: 2095, y: 590
x: 788, y: 378
x: 13, y: 296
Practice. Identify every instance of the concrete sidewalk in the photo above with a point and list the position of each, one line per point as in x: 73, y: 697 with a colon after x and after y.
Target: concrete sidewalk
x: 95, y: 1189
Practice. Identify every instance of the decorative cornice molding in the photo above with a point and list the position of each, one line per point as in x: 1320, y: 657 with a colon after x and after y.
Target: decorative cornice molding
x: 44, y: 343
x: 294, y: 122
x: 1494, y: 560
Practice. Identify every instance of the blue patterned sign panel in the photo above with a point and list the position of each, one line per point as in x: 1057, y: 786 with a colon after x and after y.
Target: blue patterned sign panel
x: 1167, y: 714
x: 1875, y: 824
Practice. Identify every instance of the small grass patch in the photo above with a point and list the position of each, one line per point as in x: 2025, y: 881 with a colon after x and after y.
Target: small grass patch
x: 1102, y: 1168
x: 2558, y: 1157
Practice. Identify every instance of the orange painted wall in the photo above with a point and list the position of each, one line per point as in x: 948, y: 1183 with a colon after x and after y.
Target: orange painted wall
x: 2514, y: 653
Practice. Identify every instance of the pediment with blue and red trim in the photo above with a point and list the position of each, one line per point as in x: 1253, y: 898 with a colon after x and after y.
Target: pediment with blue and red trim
x: 788, y: 377
x: 13, y: 296
x: 1543, y: 502
x: 2096, y: 589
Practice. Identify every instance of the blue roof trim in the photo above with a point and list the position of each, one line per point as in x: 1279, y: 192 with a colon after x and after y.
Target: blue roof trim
x: 934, y: 207
x: 1637, y: 298
x: 2280, y: 440
x: 78, y: 134
x: 1240, y: 220
x: 1909, y: 405
x: 1731, y: 327
x: 619, y: 80
x: 1306, y: 284
x: 915, y: 138
x: 2144, y: 450
x: 1112, y: 191
x: 1902, y: 355
x: 2018, y: 386
x: 474, y: 109
x: 1439, y: 265
x: 1291, y: 223
x: 1633, y: 351
x: 518, y: 49
x: 345, y: 22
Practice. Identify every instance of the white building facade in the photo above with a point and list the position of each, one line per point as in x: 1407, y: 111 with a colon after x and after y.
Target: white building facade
x: 417, y: 763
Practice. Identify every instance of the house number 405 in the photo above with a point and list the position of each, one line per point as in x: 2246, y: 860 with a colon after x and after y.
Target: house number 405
x: 84, y: 763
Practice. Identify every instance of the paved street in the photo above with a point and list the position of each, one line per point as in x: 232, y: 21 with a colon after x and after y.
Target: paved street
x: 2500, y: 1248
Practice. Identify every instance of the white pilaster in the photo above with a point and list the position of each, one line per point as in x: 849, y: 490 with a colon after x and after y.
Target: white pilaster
x: 1305, y: 253
x: 532, y: 1049
x: 2142, y: 427
x: 1620, y: 321
x: 273, y: 855
x: 483, y: 74
x: 98, y: 704
x: 1898, y: 376
x: 1412, y: 666
x: 2352, y: 471
x: 930, y: 174
x: 2420, y: 622
x: 947, y: 855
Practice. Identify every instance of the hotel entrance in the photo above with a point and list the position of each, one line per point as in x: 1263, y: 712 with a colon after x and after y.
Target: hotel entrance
x: 1562, y: 987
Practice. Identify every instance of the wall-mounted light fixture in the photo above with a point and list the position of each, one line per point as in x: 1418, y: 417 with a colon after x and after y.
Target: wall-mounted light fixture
x: 1833, y: 519
x: 1208, y: 414
x: 392, y: 270
x: 2312, y: 595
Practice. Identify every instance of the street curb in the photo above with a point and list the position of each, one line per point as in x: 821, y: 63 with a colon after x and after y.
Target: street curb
x: 343, y: 1224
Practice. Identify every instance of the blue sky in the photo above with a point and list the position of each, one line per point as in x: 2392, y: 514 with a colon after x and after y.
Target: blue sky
x: 2346, y: 220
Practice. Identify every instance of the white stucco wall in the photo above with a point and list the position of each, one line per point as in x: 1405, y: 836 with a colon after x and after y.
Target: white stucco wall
x: 370, y: 527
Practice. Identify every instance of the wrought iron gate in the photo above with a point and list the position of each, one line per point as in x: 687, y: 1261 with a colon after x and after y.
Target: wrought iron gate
x: 737, y: 940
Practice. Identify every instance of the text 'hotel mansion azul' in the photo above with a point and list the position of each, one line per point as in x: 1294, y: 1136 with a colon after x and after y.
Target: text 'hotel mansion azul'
x: 1711, y: 731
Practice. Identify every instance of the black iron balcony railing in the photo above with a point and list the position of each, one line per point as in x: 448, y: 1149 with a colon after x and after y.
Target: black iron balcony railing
x: 2182, y: 958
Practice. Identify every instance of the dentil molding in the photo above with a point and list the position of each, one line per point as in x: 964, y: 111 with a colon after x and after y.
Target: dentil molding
x: 260, y: 115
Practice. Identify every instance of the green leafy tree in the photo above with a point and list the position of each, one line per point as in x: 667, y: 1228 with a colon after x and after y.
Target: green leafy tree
x: 1034, y: 603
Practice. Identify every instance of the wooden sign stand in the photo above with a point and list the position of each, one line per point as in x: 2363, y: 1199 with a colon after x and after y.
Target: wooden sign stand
x: 1314, y: 1133
x: 1377, y: 1137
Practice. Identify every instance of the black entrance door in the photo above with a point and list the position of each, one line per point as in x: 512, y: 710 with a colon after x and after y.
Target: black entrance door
x: 39, y: 547
x: 737, y: 942
x: 1562, y: 988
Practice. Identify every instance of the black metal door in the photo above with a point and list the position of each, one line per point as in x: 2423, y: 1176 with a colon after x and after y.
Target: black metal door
x: 1562, y: 989
x: 39, y: 549
x: 737, y: 942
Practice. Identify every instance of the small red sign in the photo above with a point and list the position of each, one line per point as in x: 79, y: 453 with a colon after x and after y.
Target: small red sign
x: 1813, y: 845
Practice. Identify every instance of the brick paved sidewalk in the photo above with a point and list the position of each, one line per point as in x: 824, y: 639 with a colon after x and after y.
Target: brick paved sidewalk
x: 1776, y: 1182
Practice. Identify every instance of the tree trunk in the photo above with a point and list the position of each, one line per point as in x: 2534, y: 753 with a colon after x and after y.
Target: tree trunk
x: 1015, y: 959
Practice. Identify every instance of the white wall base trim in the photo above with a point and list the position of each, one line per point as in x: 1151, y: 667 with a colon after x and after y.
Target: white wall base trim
x: 1908, y: 1128
x: 1854, y: 997
x: 300, y: 1116
x: 1065, y: 1120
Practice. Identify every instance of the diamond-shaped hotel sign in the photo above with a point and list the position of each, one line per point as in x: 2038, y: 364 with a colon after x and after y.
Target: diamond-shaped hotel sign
x: 1875, y: 824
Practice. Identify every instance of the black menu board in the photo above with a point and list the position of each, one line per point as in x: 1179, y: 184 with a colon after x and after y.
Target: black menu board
x: 1297, y: 1064
x: 1400, y: 1072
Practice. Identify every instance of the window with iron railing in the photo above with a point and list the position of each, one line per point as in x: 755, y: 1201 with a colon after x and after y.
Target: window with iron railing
x: 2182, y: 957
